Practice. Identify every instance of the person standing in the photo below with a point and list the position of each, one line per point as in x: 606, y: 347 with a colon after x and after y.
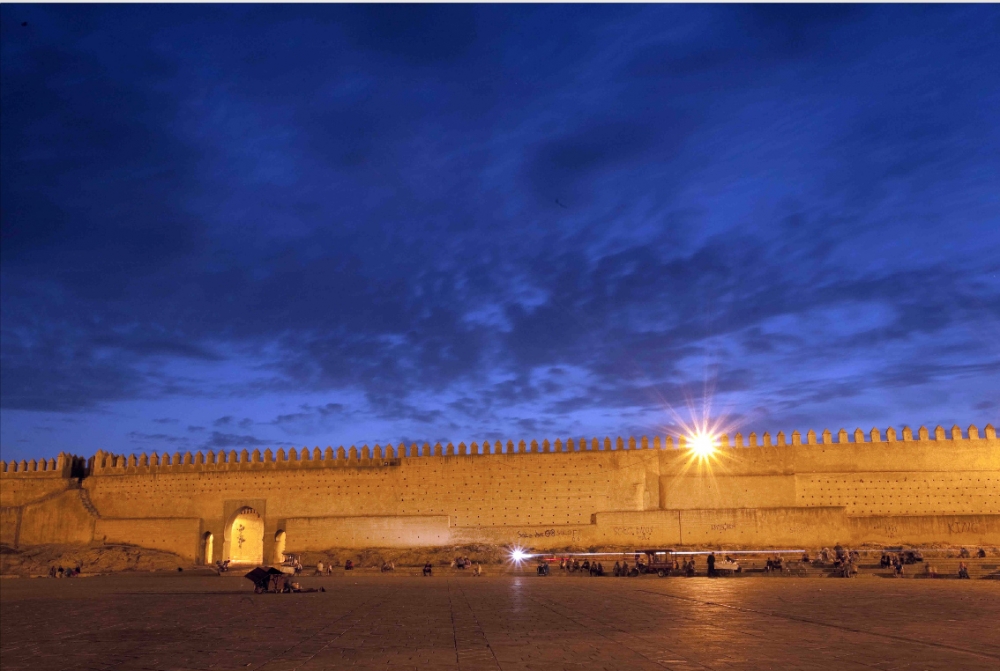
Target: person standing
x: 711, y: 565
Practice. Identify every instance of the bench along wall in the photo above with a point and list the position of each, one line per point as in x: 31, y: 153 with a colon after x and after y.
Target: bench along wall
x: 761, y: 492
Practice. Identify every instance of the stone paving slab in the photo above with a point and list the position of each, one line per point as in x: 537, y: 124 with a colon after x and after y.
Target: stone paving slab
x: 505, y: 622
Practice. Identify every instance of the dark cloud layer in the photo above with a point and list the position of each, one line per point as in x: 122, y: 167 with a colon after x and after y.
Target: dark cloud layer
x: 345, y: 223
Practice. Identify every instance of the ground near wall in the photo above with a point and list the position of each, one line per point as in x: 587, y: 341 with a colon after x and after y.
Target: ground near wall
x: 37, y: 559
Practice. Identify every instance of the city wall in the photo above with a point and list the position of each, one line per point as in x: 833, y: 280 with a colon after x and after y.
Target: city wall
x: 940, y: 487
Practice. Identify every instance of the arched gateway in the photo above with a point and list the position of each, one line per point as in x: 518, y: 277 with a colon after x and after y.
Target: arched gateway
x: 246, y: 537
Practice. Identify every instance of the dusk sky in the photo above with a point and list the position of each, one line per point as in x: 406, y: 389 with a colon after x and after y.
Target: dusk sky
x: 249, y: 226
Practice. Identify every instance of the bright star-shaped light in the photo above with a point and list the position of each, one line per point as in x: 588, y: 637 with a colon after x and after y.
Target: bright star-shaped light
x: 702, y: 444
x: 517, y: 555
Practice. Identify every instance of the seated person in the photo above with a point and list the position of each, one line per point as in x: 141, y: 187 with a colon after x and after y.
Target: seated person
x: 963, y: 571
x: 428, y: 569
x: 349, y: 565
x: 981, y: 554
x: 616, y: 571
x: 279, y: 583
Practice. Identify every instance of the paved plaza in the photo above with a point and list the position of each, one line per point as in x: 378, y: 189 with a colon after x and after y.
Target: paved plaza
x: 366, y: 621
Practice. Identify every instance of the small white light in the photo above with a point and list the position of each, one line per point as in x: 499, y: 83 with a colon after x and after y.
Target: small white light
x: 518, y: 555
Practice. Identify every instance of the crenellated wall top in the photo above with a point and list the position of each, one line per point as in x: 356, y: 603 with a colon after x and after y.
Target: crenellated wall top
x: 105, y: 463
x: 64, y: 466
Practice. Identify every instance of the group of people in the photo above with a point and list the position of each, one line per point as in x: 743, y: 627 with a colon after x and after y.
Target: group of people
x: 60, y: 572
x: 282, y: 583
x: 322, y: 568
x: 774, y: 564
x: 464, y: 563
x: 593, y: 568
x: 964, y: 553
x: 845, y: 562
x: 895, y: 561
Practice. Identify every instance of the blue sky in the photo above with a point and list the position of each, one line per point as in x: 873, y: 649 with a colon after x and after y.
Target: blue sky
x: 238, y: 226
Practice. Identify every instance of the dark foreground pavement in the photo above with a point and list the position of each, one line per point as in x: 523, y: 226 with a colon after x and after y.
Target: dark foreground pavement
x: 499, y: 622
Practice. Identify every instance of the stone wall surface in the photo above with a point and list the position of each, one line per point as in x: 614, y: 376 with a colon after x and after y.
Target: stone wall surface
x: 177, y: 535
x: 937, y: 487
x: 56, y: 518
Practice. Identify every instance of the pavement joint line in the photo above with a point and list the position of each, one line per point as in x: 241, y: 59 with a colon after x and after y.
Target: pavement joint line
x: 454, y: 631
x: 794, y: 618
x: 479, y: 626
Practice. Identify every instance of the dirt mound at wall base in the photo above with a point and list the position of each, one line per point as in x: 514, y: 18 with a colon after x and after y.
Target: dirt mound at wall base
x: 375, y: 557
x: 37, y: 559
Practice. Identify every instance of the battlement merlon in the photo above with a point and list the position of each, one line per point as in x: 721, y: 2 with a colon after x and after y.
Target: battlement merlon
x: 105, y: 463
x: 64, y: 466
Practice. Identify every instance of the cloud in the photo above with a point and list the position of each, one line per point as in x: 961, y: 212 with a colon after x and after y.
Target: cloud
x: 138, y: 436
x: 220, y: 440
x: 166, y: 420
x: 292, y: 417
